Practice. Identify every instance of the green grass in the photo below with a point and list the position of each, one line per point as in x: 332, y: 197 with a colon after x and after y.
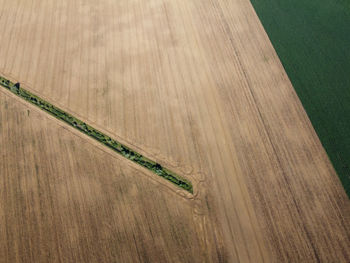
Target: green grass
x: 312, y: 39
x: 97, y: 135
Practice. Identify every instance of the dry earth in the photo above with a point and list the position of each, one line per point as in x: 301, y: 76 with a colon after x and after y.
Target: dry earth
x: 68, y: 200
x: 197, y: 86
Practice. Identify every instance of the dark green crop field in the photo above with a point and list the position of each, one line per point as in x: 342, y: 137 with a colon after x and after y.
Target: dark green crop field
x: 312, y: 39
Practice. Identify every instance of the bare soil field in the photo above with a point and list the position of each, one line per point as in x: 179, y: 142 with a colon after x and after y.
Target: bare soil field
x: 65, y: 199
x: 196, y: 86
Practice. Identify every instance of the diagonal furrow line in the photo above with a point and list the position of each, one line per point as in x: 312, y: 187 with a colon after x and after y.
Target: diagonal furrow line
x: 97, y: 135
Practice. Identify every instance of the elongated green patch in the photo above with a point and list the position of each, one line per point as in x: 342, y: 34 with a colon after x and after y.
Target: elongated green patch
x: 97, y: 135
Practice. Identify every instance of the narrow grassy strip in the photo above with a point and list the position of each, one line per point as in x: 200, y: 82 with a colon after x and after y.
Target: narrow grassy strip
x: 97, y: 135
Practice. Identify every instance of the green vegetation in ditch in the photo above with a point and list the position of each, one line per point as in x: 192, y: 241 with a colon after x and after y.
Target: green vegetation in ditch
x: 312, y: 39
x: 97, y: 135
